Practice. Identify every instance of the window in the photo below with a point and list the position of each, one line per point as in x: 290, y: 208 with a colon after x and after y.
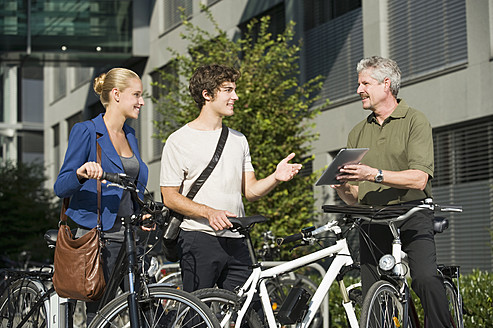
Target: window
x: 318, y: 12
x: 31, y: 146
x: 76, y: 118
x: 32, y: 94
x: 211, y: 2
x: 333, y: 46
x: 56, y: 149
x: 82, y: 75
x: 172, y: 12
x: 427, y: 36
x: 59, y: 82
x: 464, y: 176
x: 277, y: 21
x: 162, y: 84
x: 464, y: 153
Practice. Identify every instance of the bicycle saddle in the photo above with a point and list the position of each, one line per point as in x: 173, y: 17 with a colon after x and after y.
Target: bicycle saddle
x: 246, y: 221
x: 440, y: 224
x: 51, y: 235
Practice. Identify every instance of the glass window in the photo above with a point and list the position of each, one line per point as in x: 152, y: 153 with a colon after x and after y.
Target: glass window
x: 81, y: 28
x: 172, y: 12
x: 82, y: 75
x: 59, y: 82
x: 318, y: 12
x: 72, y: 120
x: 277, y: 21
x: 427, y: 36
x: 211, y: 2
x: 333, y: 46
x: 32, y: 94
x: 56, y: 149
x: 160, y: 77
x: 463, y: 153
x: 31, y: 147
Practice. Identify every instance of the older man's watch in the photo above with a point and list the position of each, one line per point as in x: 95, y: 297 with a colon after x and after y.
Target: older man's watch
x: 379, y: 177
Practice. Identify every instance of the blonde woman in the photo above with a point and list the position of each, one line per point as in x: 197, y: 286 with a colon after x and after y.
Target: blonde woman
x: 120, y: 92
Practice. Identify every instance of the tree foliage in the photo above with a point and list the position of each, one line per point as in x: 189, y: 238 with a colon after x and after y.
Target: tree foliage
x: 273, y: 111
x: 27, y: 210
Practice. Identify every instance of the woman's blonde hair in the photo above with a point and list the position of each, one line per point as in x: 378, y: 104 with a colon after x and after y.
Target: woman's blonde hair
x: 114, y: 78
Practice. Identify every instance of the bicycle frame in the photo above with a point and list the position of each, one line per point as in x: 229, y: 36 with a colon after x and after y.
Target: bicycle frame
x: 342, y: 258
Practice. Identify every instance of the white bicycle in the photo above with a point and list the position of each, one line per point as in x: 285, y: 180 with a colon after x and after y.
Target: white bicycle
x: 300, y: 307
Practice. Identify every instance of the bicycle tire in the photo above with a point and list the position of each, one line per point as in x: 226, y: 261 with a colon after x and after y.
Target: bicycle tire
x: 454, y: 304
x: 278, y: 290
x: 224, y: 303
x: 162, y: 307
x: 17, y: 301
x: 382, y: 308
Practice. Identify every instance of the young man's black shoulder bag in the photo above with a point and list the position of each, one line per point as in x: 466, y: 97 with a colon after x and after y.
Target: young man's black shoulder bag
x: 172, y: 229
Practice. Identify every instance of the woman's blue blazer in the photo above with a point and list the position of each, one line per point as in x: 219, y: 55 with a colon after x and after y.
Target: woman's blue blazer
x: 81, y: 149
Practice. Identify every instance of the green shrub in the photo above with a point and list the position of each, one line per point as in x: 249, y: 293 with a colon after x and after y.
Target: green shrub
x: 477, y: 294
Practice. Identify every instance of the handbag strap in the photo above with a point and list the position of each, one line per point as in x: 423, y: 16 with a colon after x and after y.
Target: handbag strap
x: 212, y: 164
x: 98, y: 156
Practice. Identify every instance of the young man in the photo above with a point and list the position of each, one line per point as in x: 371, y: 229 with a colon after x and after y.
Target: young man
x: 210, y: 253
x: 397, y: 169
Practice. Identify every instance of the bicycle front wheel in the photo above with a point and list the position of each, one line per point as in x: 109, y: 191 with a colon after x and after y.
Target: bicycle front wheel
x: 162, y: 307
x: 19, y: 304
x: 454, y: 306
x: 382, y: 308
x: 225, y: 305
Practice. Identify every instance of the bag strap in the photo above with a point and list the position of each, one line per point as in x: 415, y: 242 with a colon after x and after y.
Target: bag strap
x: 63, y: 216
x: 212, y: 164
x: 98, y: 156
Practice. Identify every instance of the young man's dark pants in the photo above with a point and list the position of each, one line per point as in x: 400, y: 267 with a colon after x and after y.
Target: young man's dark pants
x: 418, y: 242
x: 208, y: 260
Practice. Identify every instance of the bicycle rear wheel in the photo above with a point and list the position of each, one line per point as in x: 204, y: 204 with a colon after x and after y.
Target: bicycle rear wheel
x: 162, y: 307
x: 225, y: 305
x: 18, y: 300
x: 454, y: 305
x: 382, y: 308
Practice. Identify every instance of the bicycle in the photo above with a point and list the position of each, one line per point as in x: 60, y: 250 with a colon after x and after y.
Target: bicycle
x: 301, y: 309
x: 31, y: 301
x: 388, y: 302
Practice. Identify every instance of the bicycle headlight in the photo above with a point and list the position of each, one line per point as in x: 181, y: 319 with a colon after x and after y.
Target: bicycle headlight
x: 387, y: 262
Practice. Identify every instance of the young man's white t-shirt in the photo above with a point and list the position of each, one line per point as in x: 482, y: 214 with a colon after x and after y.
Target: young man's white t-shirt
x: 187, y: 153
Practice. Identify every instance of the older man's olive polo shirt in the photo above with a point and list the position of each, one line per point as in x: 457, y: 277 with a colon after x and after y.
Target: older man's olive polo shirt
x: 404, y: 141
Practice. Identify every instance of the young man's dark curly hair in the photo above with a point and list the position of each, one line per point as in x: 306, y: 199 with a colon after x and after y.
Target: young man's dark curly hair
x: 210, y: 78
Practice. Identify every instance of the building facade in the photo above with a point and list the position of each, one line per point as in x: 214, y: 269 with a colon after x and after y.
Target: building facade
x: 444, y: 48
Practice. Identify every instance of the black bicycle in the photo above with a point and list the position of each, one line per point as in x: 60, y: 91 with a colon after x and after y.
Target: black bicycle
x: 31, y: 301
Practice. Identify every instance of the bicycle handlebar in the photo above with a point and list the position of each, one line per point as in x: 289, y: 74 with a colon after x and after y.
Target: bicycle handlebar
x: 123, y: 181
x: 289, y: 239
x: 381, y: 215
x: 112, y: 177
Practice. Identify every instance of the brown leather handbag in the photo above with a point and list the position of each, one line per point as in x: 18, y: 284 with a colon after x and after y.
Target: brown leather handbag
x: 78, y: 262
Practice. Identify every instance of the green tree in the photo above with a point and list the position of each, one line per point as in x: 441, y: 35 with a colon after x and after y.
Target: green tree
x: 27, y: 210
x: 273, y: 111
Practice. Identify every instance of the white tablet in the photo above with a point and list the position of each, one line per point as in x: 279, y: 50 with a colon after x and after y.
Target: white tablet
x: 344, y: 157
